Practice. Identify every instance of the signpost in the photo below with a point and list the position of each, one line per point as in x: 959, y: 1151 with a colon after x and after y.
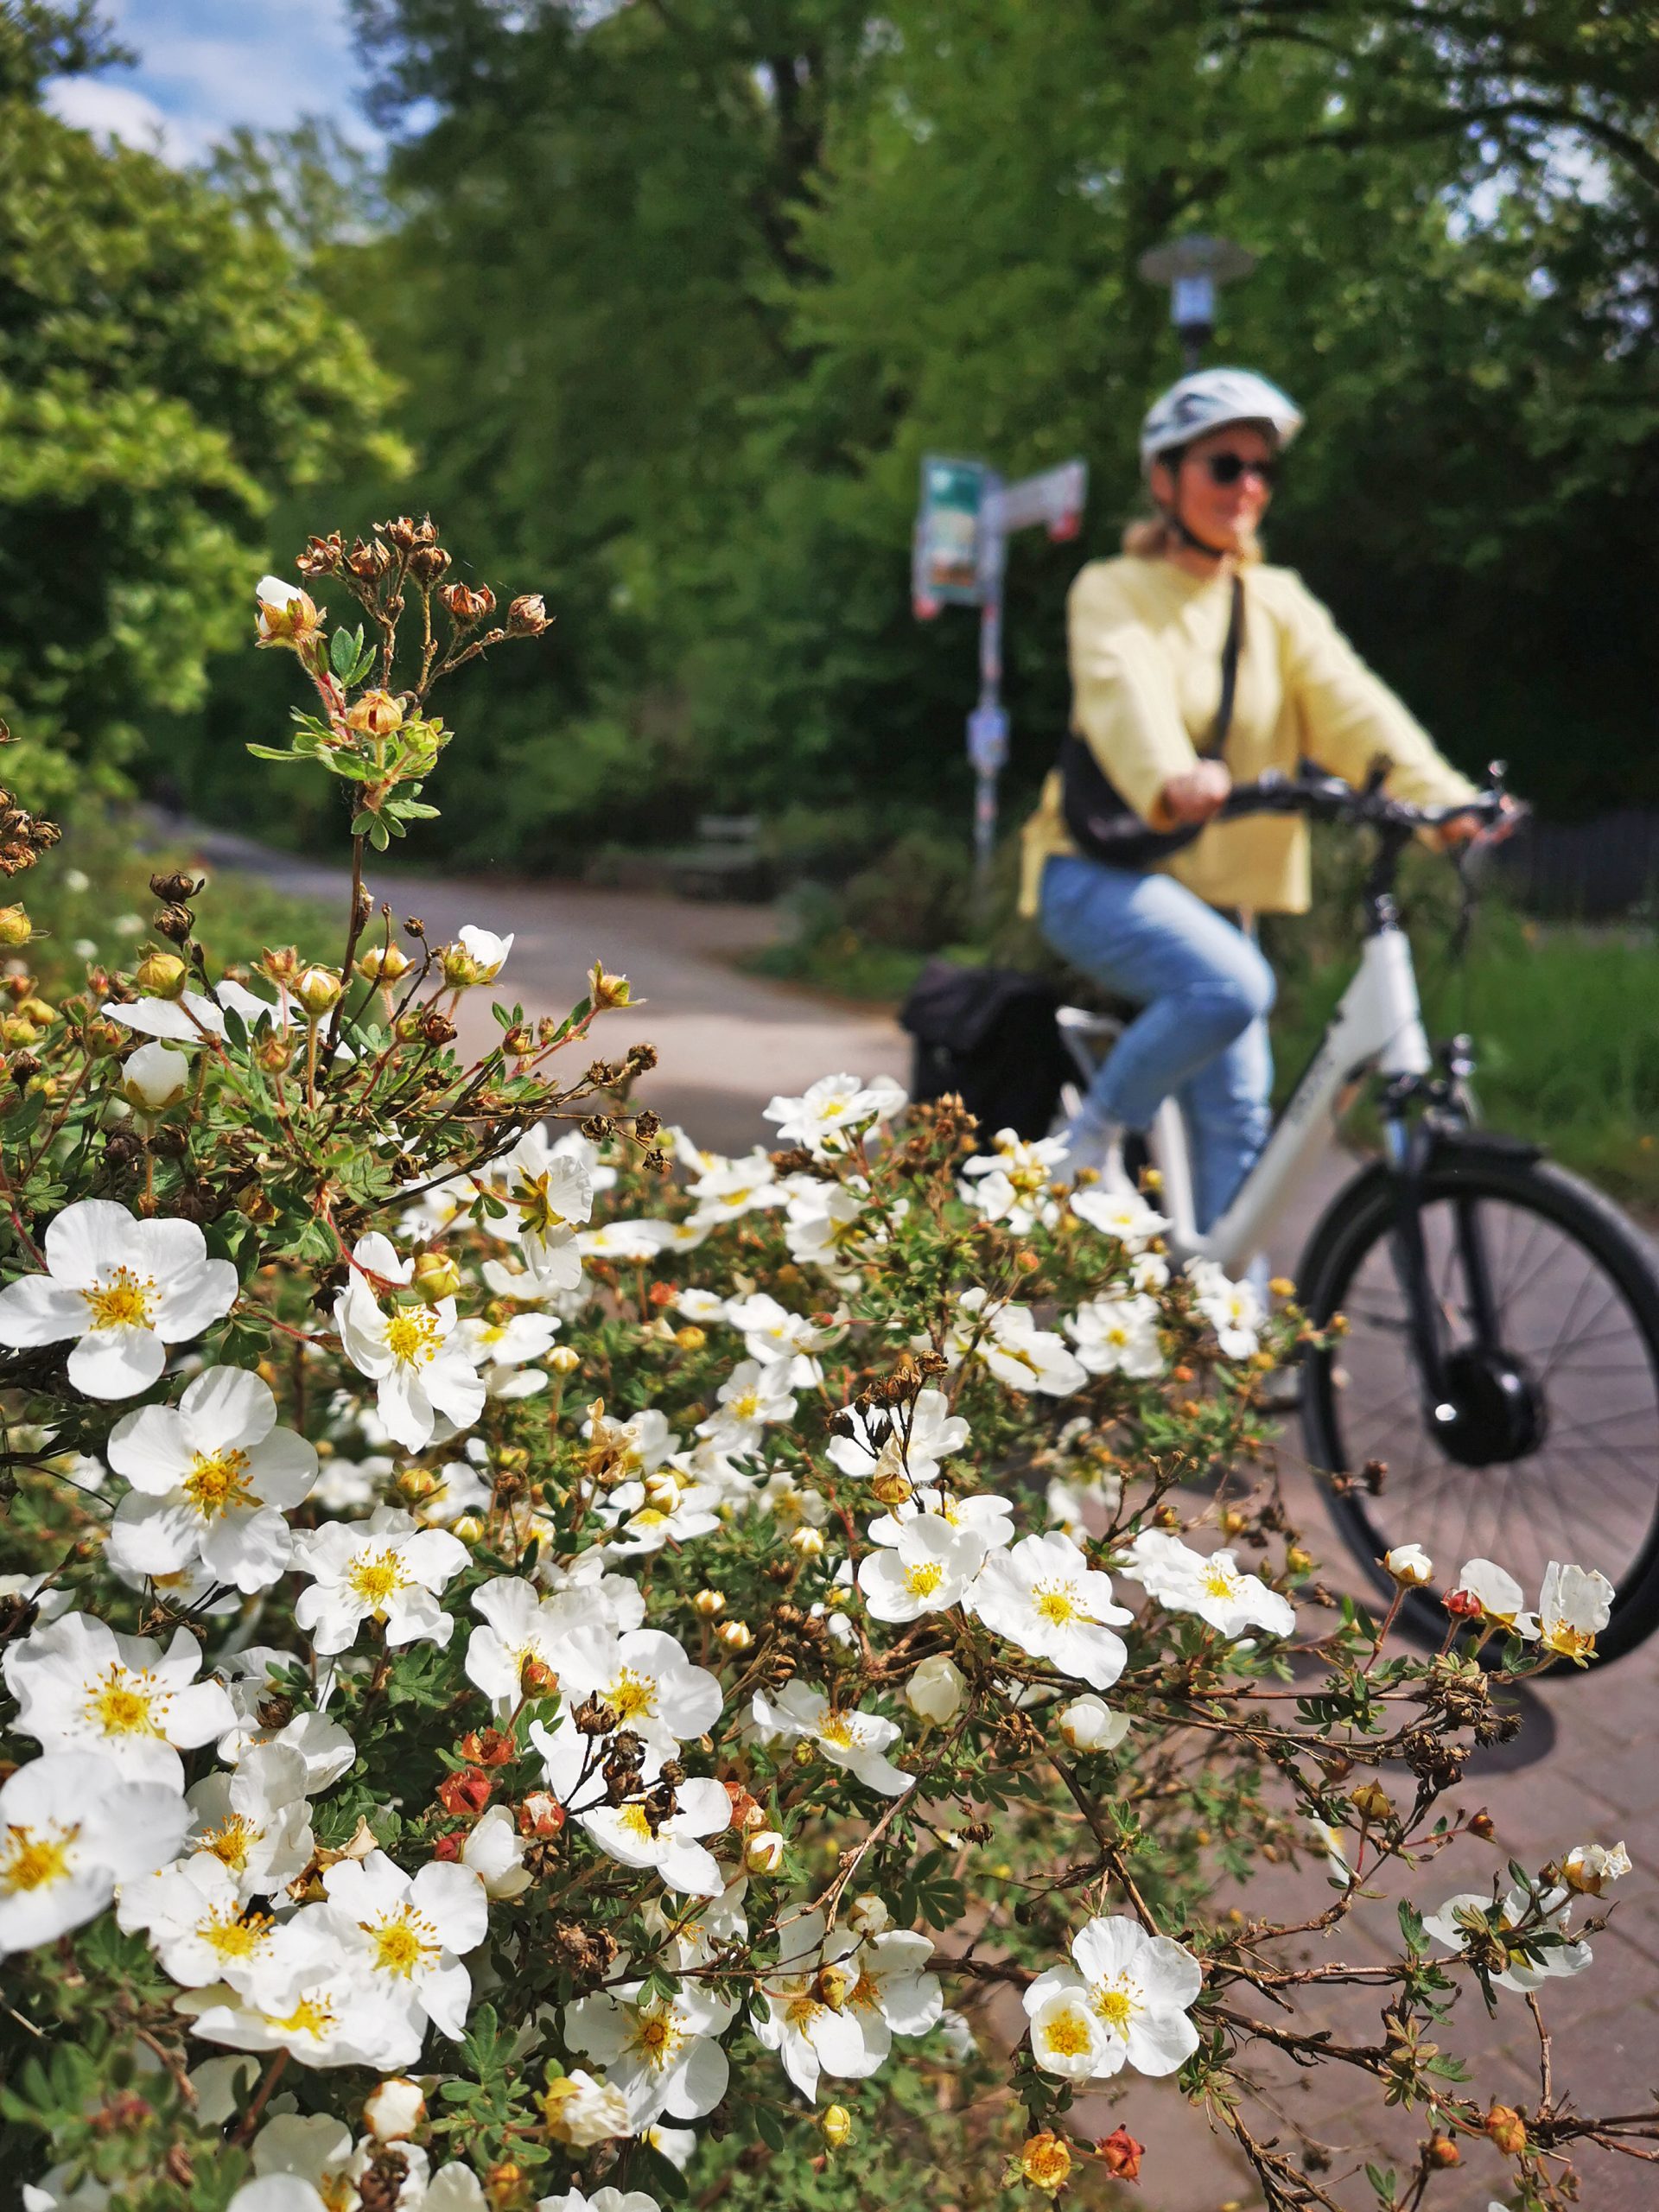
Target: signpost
x: 960, y: 556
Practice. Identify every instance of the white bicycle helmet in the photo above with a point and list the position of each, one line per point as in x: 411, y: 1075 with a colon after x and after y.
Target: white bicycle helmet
x: 1210, y: 400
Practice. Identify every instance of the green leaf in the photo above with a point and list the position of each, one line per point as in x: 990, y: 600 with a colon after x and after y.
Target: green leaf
x: 345, y: 651
x: 768, y: 2125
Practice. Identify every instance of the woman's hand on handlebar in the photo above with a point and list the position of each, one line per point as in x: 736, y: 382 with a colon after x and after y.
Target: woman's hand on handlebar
x: 1196, y: 794
x: 1491, y: 829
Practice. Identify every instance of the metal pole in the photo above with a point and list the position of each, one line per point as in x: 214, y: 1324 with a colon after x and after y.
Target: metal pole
x: 987, y: 764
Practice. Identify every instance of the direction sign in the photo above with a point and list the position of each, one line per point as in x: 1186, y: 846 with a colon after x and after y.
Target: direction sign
x: 1056, y: 498
x: 947, y: 552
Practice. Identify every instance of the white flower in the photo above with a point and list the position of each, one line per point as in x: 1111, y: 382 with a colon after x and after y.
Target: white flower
x: 407, y: 1351
x: 660, y: 2052
x: 81, y: 1687
x: 69, y: 2188
x: 1186, y: 1582
x: 1333, y: 1842
x: 1124, y: 1216
x: 522, y: 1627
x: 979, y: 1514
x: 1014, y: 1179
x: 884, y: 1442
x: 626, y: 1240
x: 934, y: 1691
x: 1589, y: 1867
x: 549, y: 1192
x: 1498, y: 1594
x: 494, y: 1851
x: 309, y: 1994
x: 602, y: 2199
x: 857, y: 1741
x: 832, y: 1112
x: 581, y: 2112
x: 647, y: 1681
x: 771, y: 1332
x: 457, y: 1488
x: 324, y: 1745
x: 277, y: 2193
x: 633, y: 1836
x: 803, y: 2011
x: 892, y: 1993
x: 1131, y: 1989
x: 125, y: 1290
x: 1043, y: 1596
x: 1575, y: 1605
x: 153, y: 1077
x: 755, y: 1393
x: 1409, y: 1565
x: 647, y: 1516
x: 383, y: 1569
x: 210, y: 1481
x: 727, y: 1189
x: 72, y: 1825
x: 256, y: 1822
x: 410, y: 1932
x: 499, y: 1349
x: 1232, y: 1309
x: 280, y: 608
x: 1089, y: 1724
x: 484, y: 955
x: 1465, y: 1924
x: 927, y: 1571
x: 826, y: 1225
x: 1005, y: 1340
x: 192, y: 1914
x: 1118, y: 1336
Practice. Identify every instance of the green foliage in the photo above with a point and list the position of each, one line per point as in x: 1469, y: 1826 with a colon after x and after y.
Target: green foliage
x: 165, y: 371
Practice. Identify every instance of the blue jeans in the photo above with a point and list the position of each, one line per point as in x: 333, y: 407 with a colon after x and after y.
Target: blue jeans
x: 1205, y: 992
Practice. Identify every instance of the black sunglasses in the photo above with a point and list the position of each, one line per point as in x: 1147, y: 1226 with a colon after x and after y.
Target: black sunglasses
x: 1229, y: 467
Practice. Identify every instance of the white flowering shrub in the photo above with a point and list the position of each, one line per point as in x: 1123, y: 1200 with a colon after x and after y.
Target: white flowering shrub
x: 545, y: 1666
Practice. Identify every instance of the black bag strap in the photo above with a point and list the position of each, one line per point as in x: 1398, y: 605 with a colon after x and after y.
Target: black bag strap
x: 1232, y: 645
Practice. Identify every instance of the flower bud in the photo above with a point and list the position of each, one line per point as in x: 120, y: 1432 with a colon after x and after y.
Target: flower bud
x: 15, y: 928
x: 1409, y: 1565
x: 736, y: 1636
x: 581, y: 2112
x: 691, y: 1338
x: 161, y: 974
x: 1507, y: 2129
x: 1121, y: 2154
x: 563, y: 1360
x: 1371, y: 1801
x: 395, y: 2109
x: 383, y: 963
x: 318, y: 991
x: 663, y: 1492
x: 1089, y: 1724
x: 835, y: 2126
x: 104, y: 1038
x: 1482, y: 1825
x: 153, y: 1077
x: 468, y: 603
x: 1442, y: 2150
x: 436, y: 1276
x: 605, y: 990
x: 869, y: 1915
x: 763, y: 1851
x: 807, y: 1541
x: 541, y: 1815
x: 526, y: 615
x: 469, y: 1529
x: 934, y: 1691
x: 14, y: 1029
x: 287, y: 615
x: 708, y: 1603
x: 417, y: 1483
x: 1589, y: 1867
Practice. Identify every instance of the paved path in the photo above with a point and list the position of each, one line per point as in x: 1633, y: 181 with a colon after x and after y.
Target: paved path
x: 1586, y: 1766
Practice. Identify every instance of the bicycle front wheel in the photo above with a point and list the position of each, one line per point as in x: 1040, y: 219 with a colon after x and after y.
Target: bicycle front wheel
x: 1544, y: 1441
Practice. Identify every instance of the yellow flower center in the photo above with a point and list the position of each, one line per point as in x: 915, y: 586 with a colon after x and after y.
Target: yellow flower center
x: 1571, y: 1643
x: 29, y: 1860
x: 312, y: 2016
x: 836, y: 1728
x: 230, y: 1844
x: 412, y: 1336
x: 1056, y: 1602
x: 923, y: 1580
x: 744, y: 1407
x: 1115, y: 2007
x: 122, y: 1703
x: 376, y: 1576
x: 231, y: 1936
x: 217, y: 1482
x: 631, y: 1695
x: 121, y: 1300
x: 634, y: 1818
x: 1067, y: 2035
x: 402, y: 1941
x: 656, y: 2036
x: 1220, y: 1581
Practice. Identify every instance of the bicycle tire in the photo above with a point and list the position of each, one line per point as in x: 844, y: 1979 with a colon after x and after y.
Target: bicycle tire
x: 1336, y: 1275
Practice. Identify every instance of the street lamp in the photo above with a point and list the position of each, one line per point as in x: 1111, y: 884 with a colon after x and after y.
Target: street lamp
x: 1192, y: 268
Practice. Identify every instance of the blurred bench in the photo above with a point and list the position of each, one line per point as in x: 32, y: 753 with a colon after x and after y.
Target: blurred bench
x: 726, y: 862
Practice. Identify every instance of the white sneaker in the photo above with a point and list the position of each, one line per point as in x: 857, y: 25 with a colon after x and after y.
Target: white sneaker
x: 1098, y: 1145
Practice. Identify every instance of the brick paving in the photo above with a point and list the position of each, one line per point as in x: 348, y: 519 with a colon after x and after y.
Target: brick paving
x: 1583, y: 1767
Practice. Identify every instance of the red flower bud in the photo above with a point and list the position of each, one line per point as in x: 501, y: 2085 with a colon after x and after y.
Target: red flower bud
x: 1121, y: 2154
x: 466, y: 1792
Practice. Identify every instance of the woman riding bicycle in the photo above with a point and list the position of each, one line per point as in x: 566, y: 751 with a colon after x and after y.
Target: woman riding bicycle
x: 1193, y: 665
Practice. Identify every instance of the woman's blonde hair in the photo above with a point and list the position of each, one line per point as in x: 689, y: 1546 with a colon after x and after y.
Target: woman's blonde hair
x: 1155, y: 537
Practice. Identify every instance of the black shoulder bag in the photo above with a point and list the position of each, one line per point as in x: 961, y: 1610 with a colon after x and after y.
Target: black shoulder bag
x: 1100, y: 820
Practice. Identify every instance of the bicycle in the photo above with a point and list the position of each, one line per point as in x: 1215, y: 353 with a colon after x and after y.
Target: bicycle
x: 1497, y: 1308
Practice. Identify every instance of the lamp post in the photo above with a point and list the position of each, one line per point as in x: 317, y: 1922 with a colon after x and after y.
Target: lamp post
x: 1193, y: 268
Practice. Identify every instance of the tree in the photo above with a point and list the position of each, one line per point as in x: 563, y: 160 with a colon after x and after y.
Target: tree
x: 165, y: 374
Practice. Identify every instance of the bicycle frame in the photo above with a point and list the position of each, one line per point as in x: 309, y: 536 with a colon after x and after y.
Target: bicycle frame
x: 1377, y: 1025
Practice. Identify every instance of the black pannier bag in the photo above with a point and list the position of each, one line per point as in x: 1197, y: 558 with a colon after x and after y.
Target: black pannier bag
x: 989, y: 1033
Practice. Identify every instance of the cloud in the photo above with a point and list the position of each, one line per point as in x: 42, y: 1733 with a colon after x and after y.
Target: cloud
x: 112, y: 111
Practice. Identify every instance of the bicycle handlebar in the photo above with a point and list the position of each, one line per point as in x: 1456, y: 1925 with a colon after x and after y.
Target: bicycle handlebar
x: 1326, y: 798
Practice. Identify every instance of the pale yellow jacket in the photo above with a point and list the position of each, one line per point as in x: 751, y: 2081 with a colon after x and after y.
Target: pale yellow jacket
x: 1146, y: 640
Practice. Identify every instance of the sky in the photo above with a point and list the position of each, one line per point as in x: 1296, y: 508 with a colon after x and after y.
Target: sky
x: 206, y: 65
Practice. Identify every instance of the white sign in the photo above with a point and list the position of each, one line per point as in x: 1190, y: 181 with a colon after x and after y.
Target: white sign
x: 1056, y: 498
